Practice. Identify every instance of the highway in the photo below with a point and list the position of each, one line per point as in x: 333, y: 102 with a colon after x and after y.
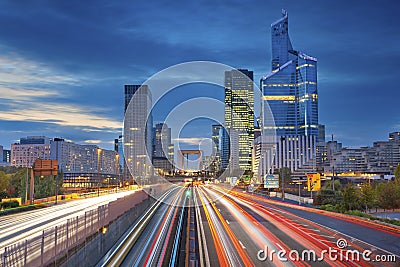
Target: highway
x: 158, y: 237
x: 17, y: 227
x: 209, y: 226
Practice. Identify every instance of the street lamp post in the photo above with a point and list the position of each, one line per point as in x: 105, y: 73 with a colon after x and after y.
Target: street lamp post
x: 333, y: 168
x: 282, y: 178
x: 26, y: 182
x: 98, y: 171
x: 299, y: 182
x: 117, y: 171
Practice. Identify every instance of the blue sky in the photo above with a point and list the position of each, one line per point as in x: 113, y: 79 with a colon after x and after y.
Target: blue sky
x: 63, y: 64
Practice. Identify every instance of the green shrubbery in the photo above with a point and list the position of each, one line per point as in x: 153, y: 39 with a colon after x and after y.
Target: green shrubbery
x: 9, y: 204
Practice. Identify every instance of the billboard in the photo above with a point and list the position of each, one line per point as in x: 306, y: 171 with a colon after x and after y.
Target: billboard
x: 314, y: 182
x: 271, y: 181
x: 43, y: 167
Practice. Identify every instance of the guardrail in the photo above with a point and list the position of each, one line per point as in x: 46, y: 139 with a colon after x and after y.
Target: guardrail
x: 117, y: 254
x: 56, y: 243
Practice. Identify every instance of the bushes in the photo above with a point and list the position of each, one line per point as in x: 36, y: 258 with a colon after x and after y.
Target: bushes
x: 9, y: 204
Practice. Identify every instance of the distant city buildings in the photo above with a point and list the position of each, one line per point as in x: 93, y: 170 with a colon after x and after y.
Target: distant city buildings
x: 381, y: 158
x: 239, y: 119
x: 163, y: 149
x: 216, y: 137
x: 82, y: 165
x: 24, y: 153
x: 6, y: 156
x: 290, y: 91
x: 85, y: 165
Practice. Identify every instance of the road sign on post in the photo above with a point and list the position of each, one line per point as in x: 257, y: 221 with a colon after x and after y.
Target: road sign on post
x: 42, y: 167
x: 314, y: 181
x: 271, y: 181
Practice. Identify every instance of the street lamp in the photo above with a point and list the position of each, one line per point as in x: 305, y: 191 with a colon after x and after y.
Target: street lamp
x: 137, y: 171
x: 282, y: 178
x: 98, y: 171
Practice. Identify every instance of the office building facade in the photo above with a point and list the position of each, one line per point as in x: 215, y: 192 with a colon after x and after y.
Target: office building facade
x: 290, y: 92
x: 163, y: 147
x: 138, y: 126
x: 85, y: 165
x: 239, y: 118
x: 24, y: 153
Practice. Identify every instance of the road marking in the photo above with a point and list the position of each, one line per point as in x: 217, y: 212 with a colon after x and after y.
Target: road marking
x: 242, y: 245
x: 327, y: 236
x: 227, y: 222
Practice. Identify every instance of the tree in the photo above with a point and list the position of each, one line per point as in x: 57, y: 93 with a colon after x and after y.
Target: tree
x: 4, y: 184
x: 351, y: 197
x: 326, y: 194
x: 44, y: 186
x: 387, y: 196
x: 397, y: 172
x: 18, y: 182
x: 287, y: 174
x: 368, y: 196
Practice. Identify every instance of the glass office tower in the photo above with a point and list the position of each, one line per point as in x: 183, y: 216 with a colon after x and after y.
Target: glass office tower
x: 290, y: 91
x: 291, y: 88
x: 239, y: 117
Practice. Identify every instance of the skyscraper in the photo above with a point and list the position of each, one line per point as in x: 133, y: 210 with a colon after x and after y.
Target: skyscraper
x: 290, y: 91
x: 138, y: 126
x: 216, y: 137
x: 239, y: 116
x: 163, y: 147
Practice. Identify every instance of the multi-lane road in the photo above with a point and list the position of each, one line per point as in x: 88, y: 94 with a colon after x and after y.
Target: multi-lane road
x: 17, y: 227
x: 208, y: 226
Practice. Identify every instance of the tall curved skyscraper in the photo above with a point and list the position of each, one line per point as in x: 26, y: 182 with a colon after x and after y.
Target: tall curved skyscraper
x: 290, y: 91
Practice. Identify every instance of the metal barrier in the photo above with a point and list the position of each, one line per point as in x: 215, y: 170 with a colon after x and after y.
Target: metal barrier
x: 56, y: 243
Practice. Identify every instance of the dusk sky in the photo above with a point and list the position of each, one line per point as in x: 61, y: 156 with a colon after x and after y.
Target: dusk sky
x: 63, y: 64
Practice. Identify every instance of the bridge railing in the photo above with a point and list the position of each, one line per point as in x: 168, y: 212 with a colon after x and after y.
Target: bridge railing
x: 55, y: 244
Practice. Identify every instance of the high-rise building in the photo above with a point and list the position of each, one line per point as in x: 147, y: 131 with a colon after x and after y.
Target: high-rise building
x: 138, y: 126
x: 119, y: 148
x: 24, y: 153
x: 290, y: 91
x: 161, y: 139
x: 163, y: 147
x: 239, y: 117
x: 1, y: 155
x: 225, y: 153
x: 216, y: 137
x: 7, y: 156
x: 321, y: 150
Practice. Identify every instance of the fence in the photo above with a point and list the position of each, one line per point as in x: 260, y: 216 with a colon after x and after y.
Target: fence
x: 55, y: 244
x: 93, y: 251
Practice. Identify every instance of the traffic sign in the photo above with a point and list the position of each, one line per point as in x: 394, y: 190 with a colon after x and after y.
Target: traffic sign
x: 314, y: 181
x: 271, y: 181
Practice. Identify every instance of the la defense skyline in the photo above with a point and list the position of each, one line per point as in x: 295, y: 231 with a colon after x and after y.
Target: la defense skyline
x: 289, y: 108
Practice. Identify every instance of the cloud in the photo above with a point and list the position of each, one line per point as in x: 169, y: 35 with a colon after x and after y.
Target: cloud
x: 60, y: 114
x: 93, y: 141
x: 17, y: 70
x: 20, y: 94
